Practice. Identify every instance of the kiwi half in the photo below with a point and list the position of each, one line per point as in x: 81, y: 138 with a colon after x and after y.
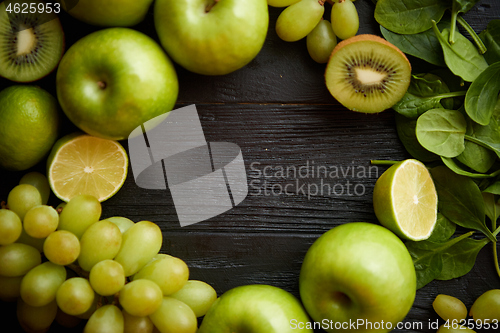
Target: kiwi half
x: 31, y: 44
x: 366, y: 73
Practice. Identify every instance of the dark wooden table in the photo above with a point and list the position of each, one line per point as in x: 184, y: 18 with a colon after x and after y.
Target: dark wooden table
x: 278, y: 110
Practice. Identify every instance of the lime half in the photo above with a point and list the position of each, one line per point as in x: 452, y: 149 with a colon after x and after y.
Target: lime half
x: 405, y: 200
x: 84, y: 164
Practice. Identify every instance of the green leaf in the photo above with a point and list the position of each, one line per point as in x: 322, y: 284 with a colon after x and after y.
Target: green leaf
x: 423, y: 45
x: 443, y: 230
x: 482, y: 95
x: 460, y: 258
x: 442, y: 132
x: 461, y: 57
x: 460, y: 200
x: 450, y: 163
x: 406, y: 129
x: 494, y: 146
x: 493, y: 188
x: 491, y: 39
x: 409, y: 16
x: 427, y: 261
x: 492, y: 206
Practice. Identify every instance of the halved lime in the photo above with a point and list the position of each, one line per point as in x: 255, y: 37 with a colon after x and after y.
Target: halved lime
x: 84, y: 164
x: 405, y: 200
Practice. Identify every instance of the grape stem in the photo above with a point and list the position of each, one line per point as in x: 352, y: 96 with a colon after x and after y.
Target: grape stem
x: 3, y: 205
x: 78, y: 270
x: 331, y: 2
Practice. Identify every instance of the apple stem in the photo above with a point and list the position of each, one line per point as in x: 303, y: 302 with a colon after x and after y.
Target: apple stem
x: 210, y: 6
x: 101, y: 84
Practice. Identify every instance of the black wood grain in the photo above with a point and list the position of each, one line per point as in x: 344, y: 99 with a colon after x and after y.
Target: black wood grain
x: 278, y: 110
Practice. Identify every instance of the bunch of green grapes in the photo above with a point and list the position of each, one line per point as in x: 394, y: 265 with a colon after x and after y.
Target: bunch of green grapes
x: 67, y: 265
x: 304, y: 18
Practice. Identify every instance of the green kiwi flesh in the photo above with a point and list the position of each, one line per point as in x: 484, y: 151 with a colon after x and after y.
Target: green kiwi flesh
x: 31, y: 45
x: 367, y: 74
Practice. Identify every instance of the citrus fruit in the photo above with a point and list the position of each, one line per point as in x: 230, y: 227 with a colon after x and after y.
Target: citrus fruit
x: 85, y: 164
x: 28, y: 127
x: 405, y: 200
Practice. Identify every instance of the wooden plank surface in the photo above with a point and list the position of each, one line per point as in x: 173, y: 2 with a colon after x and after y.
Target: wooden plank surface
x: 279, y: 112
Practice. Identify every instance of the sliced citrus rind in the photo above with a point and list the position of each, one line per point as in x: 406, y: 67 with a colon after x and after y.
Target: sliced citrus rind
x: 85, y: 164
x: 405, y: 200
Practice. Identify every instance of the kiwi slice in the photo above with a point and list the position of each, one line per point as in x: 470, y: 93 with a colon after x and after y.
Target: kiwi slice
x: 31, y: 44
x: 366, y: 73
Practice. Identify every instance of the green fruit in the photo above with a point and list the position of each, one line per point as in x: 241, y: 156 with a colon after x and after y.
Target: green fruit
x: 29, y: 126
x: 358, y: 271
x: 321, y: 42
x: 255, y: 308
x: 41, y: 183
x: 212, y: 37
x: 141, y: 297
x: 22, y: 198
x: 450, y: 308
x: 107, y: 318
x: 198, y: 295
x: 486, y: 308
x: 32, y: 43
x: 174, y: 316
x: 11, y: 227
x: 109, y: 13
x: 345, y: 20
x: 298, y: 20
x: 113, y: 80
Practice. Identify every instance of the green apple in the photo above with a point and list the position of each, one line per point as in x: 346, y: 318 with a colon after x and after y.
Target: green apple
x: 256, y: 309
x: 212, y: 37
x: 109, y: 13
x: 113, y: 80
x: 357, y: 277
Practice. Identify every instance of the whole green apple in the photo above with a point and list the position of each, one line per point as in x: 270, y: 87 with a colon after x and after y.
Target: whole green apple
x: 113, y: 80
x: 212, y: 37
x: 358, y: 277
x: 109, y: 13
x: 255, y: 309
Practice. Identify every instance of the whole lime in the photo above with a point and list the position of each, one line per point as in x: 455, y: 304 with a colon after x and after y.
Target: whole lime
x: 29, y: 126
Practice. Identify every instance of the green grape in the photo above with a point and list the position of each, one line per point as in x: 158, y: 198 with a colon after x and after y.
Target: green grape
x: 36, y: 318
x: 61, y: 247
x: 123, y: 223
x: 174, y: 316
x: 41, y: 221
x: 169, y: 273
x: 321, y: 42
x: 75, y: 296
x: 141, y: 297
x: 93, y: 307
x: 11, y: 227
x: 345, y: 20
x: 107, y: 318
x: 107, y: 277
x: 281, y: 3
x: 298, y: 20
x: 17, y: 259
x: 39, y: 181
x: 79, y: 213
x: 10, y: 288
x: 486, y: 308
x: 102, y: 240
x: 37, y: 243
x: 198, y: 295
x: 66, y: 320
x: 39, y: 285
x: 135, y: 324
x: 140, y: 243
x: 449, y: 308
x: 22, y: 198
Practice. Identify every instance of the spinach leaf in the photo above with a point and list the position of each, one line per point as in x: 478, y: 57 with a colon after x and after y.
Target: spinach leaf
x: 443, y: 230
x: 423, y: 45
x: 409, y: 16
x: 460, y: 200
x: 461, y: 57
x: 493, y: 188
x: 459, y: 6
x: 412, y: 106
x: 427, y: 261
x: 406, y: 133
x: 482, y: 95
x: 491, y: 39
x: 442, y: 132
x: 492, y: 207
x: 450, y: 163
x: 459, y: 258
x: 494, y: 146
